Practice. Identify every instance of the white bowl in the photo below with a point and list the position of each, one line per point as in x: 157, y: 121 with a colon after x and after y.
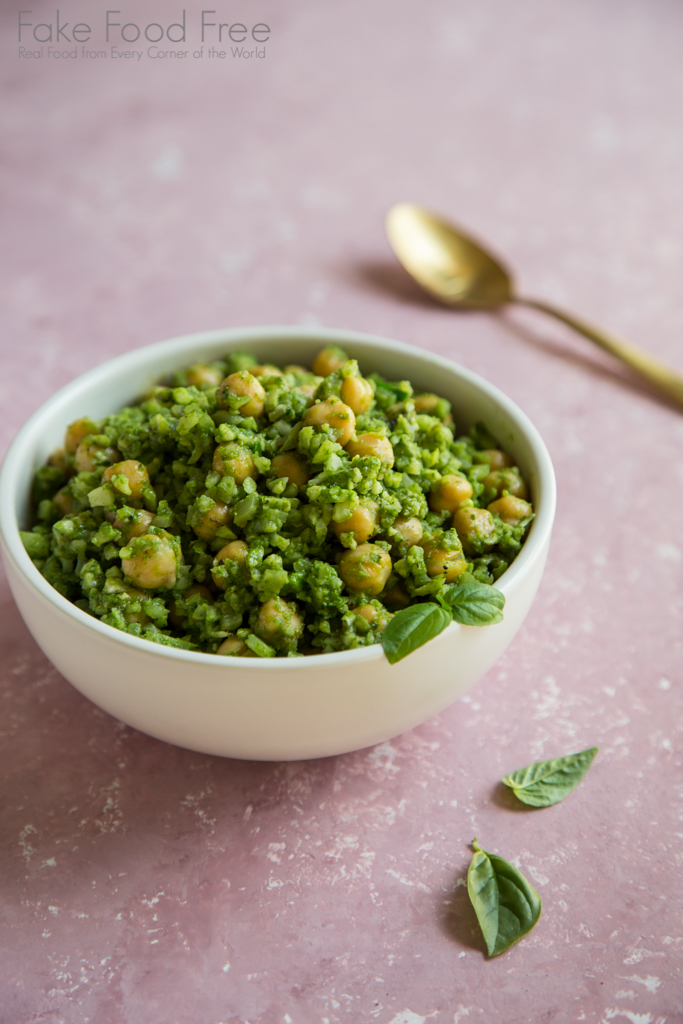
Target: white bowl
x: 285, y: 708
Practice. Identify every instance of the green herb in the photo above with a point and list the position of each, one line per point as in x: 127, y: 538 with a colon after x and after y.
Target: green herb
x: 259, y: 647
x: 412, y: 627
x: 507, y: 907
x: 476, y: 604
x: 470, y: 603
x: 37, y: 544
x: 547, y: 782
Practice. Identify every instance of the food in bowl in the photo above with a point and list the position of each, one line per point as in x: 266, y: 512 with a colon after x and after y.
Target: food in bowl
x: 269, y: 708
x: 258, y: 511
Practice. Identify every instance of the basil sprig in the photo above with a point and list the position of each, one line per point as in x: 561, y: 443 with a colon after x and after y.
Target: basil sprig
x: 412, y: 627
x: 470, y: 603
x: 547, y: 782
x: 506, y: 905
x: 475, y: 604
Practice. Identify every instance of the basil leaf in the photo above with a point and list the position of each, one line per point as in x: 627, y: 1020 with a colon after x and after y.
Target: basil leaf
x: 506, y: 905
x: 547, y: 782
x: 476, y: 604
x: 401, y: 388
x: 412, y: 627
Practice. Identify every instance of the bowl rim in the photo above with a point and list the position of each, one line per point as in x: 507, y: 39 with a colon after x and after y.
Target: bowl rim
x: 13, y: 548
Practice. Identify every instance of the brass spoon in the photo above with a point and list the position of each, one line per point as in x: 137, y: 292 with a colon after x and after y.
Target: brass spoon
x: 458, y: 271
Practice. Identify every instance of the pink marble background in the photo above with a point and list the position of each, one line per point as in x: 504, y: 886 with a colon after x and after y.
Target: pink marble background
x: 144, y: 884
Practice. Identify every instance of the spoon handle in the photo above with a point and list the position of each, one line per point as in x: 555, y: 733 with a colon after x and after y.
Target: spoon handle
x: 662, y: 376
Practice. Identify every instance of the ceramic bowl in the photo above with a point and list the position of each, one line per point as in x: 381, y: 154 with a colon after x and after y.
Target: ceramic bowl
x: 280, y: 709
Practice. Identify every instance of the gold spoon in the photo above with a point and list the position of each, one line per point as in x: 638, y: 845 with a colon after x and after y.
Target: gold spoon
x: 458, y: 271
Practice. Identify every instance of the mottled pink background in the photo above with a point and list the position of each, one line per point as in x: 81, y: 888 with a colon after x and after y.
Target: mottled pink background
x: 144, y: 884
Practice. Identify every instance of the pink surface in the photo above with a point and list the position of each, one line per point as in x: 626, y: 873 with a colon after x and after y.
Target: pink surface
x: 143, y: 884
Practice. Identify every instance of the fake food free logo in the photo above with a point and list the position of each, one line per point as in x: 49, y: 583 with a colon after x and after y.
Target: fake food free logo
x: 61, y: 39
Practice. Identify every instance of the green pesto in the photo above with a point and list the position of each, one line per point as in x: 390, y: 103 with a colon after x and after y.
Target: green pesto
x: 209, y: 463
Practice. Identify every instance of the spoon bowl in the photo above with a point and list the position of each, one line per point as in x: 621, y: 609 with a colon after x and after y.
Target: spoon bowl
x: 448, y: 263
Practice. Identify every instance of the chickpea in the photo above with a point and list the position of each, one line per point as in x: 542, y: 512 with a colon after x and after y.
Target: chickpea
x: 265, y: 370
x: 357, y: 393
x: 365, y: 569
x: 336, y: 414
x: 372, y: 444
x: 242, y: 384
x: 88, y: 455
x: 84, y: 457
x: 234, y: 460
x: 328, y: 360
x: 76, y: 432
x: 233, y: 647
x: 288, y: 465
x: 361, y: 523
x: 175, y: 619
x: 155, y: 391
x: 279, y: 622
x: 438, y: 562
x: 476, y: 528
x: 448, y: 493
x: 235, y: 551
x: 64, y: 501
x: 295, y: 368
x: 425, y: 403
x: 219, y: 515
x: 396, y: 596
x: 410, y: 530
x: 497, y: 459
x: 509, y: 480
x: 135, y: 473
x: 367, y: 612
x: 153, y: 563
x: 511, y: 510
x: 201, y: 373
x: 134, y: 526
x: 373, y: 618
x: 308, y: 390
x: 58, y: 459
